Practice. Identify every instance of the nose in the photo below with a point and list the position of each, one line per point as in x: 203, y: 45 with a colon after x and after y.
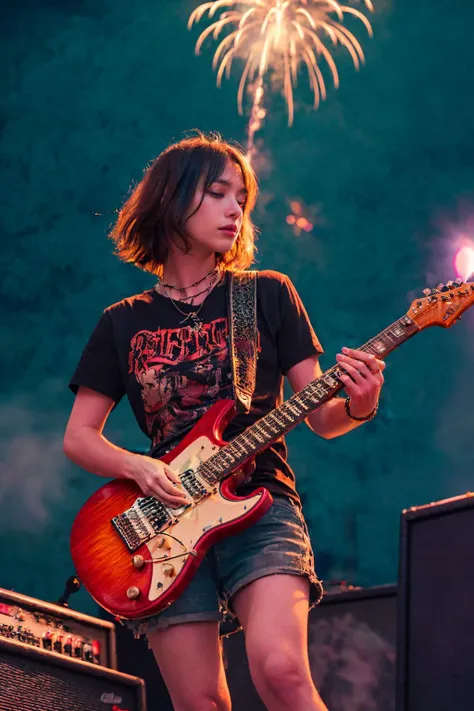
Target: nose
x: 234, y: 209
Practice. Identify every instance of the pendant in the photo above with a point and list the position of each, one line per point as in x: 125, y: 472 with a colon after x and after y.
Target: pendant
x: 195, y: 324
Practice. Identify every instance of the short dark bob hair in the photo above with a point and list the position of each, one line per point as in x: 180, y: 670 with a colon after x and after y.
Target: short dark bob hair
x: 156, y: 211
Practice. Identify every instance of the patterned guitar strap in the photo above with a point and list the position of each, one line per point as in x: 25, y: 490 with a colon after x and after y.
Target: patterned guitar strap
x: 243, y: 335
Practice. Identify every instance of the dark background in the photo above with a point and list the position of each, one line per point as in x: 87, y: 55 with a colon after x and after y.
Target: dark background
x: 91, y: 91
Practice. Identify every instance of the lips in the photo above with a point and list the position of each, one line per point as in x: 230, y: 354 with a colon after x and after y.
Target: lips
x: 230, y: 229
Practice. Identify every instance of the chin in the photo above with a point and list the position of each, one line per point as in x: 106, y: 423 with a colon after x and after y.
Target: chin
x: 224, y: 244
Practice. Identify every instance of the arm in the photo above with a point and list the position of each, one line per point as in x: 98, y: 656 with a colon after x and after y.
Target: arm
x: 363, y: 381
x: 85, y: 445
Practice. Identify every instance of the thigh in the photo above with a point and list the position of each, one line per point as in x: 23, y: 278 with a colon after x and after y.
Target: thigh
x: 273, y: 612
x: 189, y: 656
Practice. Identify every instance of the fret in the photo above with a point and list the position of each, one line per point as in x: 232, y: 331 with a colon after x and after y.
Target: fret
x: 234, y: 456
x: 226, y: 454
x: 388, y: 334
x: 276, y: 420
x: 264, y: 425
x: 292, y: 408
x: 307, y: 402
x: 238, y: 444
x: 282, y: 417
x: 320, y: 391
x: 372, y: 348
x: 258, y: 435
x: 398, y: 331
x: 329, y: 380
x: 247, y: 440
x: 379, y: 347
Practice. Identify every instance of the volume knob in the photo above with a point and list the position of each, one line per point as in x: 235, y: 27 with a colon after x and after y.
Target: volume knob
x: 138, y: 561
x: 133, y: 592
x: 169, y: 570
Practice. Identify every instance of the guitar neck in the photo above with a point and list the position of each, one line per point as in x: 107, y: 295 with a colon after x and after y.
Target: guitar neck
x: 269, y: 428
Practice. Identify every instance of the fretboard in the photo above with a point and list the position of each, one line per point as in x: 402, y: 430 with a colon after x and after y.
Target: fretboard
x: 275, y: 424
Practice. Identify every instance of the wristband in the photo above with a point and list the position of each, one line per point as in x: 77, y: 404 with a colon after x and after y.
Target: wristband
x: 370, y: 416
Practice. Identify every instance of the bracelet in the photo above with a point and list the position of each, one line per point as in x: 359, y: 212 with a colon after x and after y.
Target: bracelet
x: 370, y: 416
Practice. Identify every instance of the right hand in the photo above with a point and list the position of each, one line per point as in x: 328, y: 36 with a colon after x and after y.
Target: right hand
x: 158, y: 480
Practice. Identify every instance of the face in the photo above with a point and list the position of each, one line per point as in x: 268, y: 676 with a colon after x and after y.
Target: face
x: 216, y: 224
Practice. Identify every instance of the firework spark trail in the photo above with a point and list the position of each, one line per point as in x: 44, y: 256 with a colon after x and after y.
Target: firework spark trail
x: 257, y: 114
x: 275, y: 36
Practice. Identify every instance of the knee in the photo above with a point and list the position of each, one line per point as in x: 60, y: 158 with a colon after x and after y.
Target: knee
x: 202, y: 700
x: 283, y: 673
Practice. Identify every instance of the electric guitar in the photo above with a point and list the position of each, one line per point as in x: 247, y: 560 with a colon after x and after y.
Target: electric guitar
x: 135, y: 555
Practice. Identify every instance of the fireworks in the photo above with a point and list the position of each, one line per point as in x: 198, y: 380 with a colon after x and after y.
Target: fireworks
x: 277, y: 36
x: 464, y: 262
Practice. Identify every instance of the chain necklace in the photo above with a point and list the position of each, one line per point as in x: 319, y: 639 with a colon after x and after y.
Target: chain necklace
x: 213, y: 271
x: 183, y: 298
x: 195, y: 323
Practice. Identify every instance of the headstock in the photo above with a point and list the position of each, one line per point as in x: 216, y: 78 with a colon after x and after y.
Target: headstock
x: 442, y: 306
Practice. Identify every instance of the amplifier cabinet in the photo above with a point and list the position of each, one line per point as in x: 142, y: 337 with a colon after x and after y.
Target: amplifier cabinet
x: 435, y: 611
x: 33, y: 679
x: 56, y: 629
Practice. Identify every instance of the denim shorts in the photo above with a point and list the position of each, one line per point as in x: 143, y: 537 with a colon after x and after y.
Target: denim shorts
x: 277, y: 543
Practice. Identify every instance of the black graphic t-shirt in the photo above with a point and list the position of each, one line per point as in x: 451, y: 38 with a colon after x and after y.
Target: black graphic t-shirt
x: 142, y: 347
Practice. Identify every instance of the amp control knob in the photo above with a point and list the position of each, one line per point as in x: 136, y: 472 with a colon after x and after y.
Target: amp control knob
x: 169, y: 570
x: 133, y: 593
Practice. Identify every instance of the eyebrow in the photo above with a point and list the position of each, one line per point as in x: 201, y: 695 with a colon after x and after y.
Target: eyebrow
x: 228, y: 184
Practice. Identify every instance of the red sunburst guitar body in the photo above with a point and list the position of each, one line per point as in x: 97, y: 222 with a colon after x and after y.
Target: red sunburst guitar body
x: 135, y: 581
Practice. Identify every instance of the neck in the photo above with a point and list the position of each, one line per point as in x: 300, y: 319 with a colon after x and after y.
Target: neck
x: 181, y: 269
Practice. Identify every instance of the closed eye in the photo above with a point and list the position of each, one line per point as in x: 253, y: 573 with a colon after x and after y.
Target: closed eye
x: 221, y: 195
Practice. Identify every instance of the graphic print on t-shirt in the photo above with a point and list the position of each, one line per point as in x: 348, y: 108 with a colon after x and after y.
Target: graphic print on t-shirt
x: 181, y: 373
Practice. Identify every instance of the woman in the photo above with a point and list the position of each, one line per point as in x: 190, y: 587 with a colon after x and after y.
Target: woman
x: 188, y: 222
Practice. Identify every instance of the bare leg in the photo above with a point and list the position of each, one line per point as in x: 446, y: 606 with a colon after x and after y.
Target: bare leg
x: 190, y: 661
x: 274, y: 614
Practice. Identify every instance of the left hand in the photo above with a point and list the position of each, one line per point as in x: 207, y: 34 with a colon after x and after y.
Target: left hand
x: 362, y: 380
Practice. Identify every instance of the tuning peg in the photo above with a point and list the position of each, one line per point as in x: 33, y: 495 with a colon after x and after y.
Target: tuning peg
x: 439, y: 286
x: 435, y: 291
x: 427, y: 292
x: 450, y: 284
x: 459, y: 281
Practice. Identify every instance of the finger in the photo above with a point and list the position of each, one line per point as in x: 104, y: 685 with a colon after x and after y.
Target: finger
x: 351, y: 388
x: 358, y: 365
x: 368, y: 358
x: 373, y: 365
x: 171, y: 474
x: 169, y: 488
x: 355, y: 374
x: 160, y: 494
x: 171, y: 501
